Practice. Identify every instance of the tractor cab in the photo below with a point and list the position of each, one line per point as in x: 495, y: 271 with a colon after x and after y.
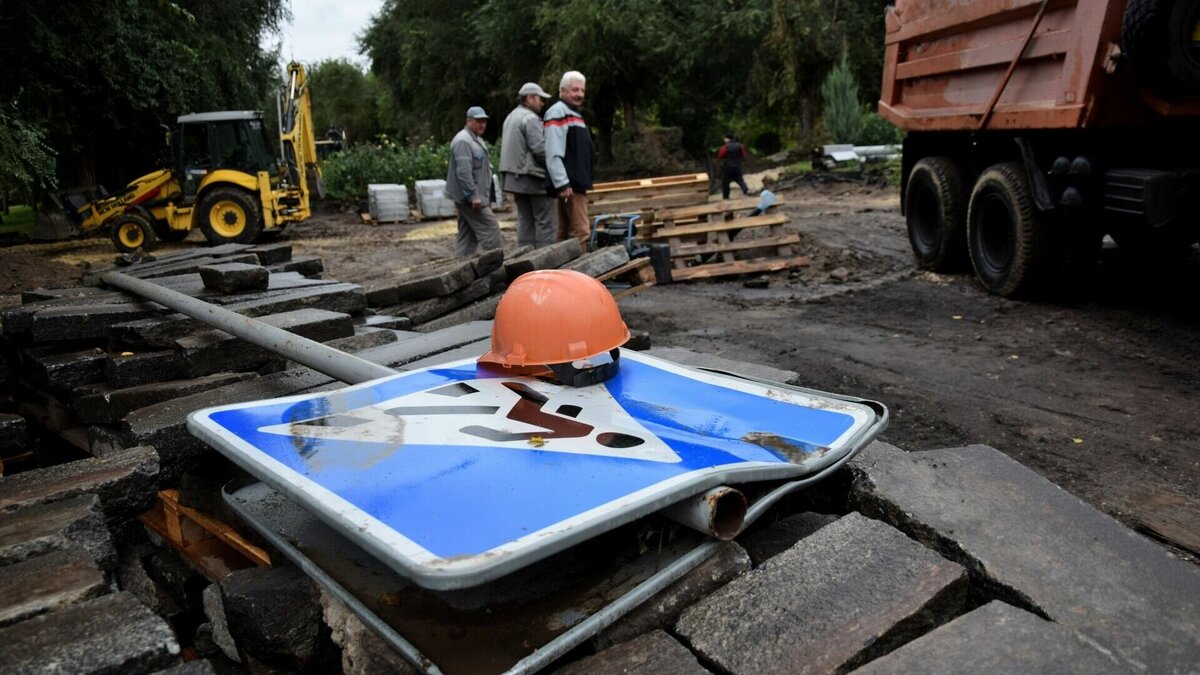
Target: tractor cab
x: 234, y: 139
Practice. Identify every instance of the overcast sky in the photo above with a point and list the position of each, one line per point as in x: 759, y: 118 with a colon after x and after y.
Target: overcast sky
x: 325, y: 29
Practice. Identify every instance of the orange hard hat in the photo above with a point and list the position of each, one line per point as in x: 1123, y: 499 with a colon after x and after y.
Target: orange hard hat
x: 554, y: 316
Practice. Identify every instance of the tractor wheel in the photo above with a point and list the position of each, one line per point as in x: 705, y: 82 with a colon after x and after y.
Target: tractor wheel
x: 935, y: 209
x: 1162, y: 40
x: 1010, y: 248
x: 229, y: 216
x: 131, y: 231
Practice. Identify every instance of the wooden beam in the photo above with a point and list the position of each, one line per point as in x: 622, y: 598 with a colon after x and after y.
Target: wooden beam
x: 739, y: 267
x: 720, y: 226
x: 739, y: 245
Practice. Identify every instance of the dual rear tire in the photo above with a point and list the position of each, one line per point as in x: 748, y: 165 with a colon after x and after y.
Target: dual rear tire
x: 996, y: 226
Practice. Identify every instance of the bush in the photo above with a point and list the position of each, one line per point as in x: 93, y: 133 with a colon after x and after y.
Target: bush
x: 648, y: 151
x: 349, y: 172
x: 878, y: 131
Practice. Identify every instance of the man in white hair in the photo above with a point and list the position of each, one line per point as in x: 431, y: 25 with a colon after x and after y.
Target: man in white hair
x: 569, y: 157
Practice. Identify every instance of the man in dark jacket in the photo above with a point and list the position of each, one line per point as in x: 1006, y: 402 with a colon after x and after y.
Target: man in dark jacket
x: 731, y: 155
x: 569, y: 157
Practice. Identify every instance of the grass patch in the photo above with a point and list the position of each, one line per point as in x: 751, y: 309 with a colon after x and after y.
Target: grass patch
x: 18, y: 220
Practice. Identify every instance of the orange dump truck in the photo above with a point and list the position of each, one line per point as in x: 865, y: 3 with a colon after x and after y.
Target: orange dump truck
x: 1037, y: 127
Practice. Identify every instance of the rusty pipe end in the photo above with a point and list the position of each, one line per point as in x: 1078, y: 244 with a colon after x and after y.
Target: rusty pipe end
x: 720, y: 512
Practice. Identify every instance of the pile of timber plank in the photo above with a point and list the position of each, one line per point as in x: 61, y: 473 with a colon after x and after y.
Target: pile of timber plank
x: 722, y: 238
x: 645, y: 195
x: 701, y: 234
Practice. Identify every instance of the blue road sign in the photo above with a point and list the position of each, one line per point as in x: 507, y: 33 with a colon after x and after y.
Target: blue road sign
x: 454, y: 477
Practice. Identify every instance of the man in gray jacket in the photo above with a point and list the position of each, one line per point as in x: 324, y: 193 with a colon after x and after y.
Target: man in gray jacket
x: 469, y: 186
x: 523, y: 168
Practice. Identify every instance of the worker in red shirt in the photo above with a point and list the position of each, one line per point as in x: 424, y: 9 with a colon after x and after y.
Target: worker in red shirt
x: 731, y: 155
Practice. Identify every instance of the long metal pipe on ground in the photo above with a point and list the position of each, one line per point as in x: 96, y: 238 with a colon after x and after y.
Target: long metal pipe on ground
x: 321, y: 358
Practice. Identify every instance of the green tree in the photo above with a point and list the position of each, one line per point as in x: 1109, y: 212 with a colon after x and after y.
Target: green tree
x: 99, y: 78
x: 843, y: 112
x: 346, y: 98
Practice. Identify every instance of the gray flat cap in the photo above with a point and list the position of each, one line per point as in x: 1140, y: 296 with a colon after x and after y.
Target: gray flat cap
x: 530, y: 88
x: 476, y: 113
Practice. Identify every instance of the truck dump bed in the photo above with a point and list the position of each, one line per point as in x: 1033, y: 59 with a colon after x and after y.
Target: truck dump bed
x: 946, y: 60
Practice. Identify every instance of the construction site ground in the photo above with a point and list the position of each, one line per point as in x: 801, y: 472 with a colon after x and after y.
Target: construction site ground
x: 1097, y: 392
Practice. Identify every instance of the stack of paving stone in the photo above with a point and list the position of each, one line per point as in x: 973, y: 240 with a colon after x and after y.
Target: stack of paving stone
x: 448, y: 292
x: 83, y: 359
x: 387, y: 202
x: 431, y: 199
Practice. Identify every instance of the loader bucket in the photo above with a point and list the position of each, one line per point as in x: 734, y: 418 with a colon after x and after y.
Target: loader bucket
x: 52, y: 226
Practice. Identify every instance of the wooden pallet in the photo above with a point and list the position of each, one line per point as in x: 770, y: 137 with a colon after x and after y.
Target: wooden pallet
x: 213, y: 547
x: 638, y: 273
x: 644, y: 195
x: 707, y: 248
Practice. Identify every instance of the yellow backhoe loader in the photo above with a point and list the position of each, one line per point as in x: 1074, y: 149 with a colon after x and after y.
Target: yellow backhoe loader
x: 223, y: 178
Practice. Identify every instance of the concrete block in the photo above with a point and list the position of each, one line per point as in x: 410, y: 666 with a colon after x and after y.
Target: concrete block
x: 364, y: 339
x: 132, y: 577
x: 851, y: 591
x: 131, y: 369
x: 363, y: 652
x: 345, y: 298
x: 487, y: 262
x: 153, y: 333
x: 549, y: 257
x: 600, y: 261
x: 387, y: 321
x: 214, y: 351
x: 997, y: 638
x: 191, y: 266
x: 179, y: 579
x: 234, y: 277
x: 109, y: 634
x: 663, y: 609
x: 654, y: 653
x: 85, y: 322
x: 423, y: 284
x: 125, y: 482
x: 75, y: 523
x: 771, y: 539
x: 693, y: 359
x: 428, y: 344
x: 105, y: 405
x: 13, y: 430
x: 62, y: 372
x: 275, y: 614
x: 103, y: 441
x: 78, y: 292
x: 426, y: 310
x: 1038, y: 547
x: 484, y: 310
x: 271, y: 254
x: 306, y: 265
x: 18, y: 319
x: 46, y: 583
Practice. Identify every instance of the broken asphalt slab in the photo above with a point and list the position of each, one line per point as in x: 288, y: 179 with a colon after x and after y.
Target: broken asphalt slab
x: 1038, y: 547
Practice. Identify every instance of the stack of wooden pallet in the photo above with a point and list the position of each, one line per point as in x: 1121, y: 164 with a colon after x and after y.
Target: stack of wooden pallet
x: 723, y: 238
x: 707, y: 239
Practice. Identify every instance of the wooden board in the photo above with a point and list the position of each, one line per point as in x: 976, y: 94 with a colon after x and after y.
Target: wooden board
x: 707, y: 209
x: 632, y: 265
x: 739, y: 245
x: 658, y: 181
x: 719, y: 226
x: 738, y: 267
x: 213, y: 547
x: 1168, y: 516
x: 645, y: 204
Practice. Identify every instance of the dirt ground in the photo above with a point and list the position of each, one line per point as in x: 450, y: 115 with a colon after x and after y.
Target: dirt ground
x: 1099, y: 393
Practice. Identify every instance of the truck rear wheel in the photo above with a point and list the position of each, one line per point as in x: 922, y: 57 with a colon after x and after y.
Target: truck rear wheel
x: 1008, y: 244
x: 131, y: 231
x: 1162, y: 40
x: 229, y: 215
x: 935, y: 211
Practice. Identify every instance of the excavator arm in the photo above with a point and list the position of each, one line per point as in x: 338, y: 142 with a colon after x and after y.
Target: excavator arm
x: 297, y: 137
